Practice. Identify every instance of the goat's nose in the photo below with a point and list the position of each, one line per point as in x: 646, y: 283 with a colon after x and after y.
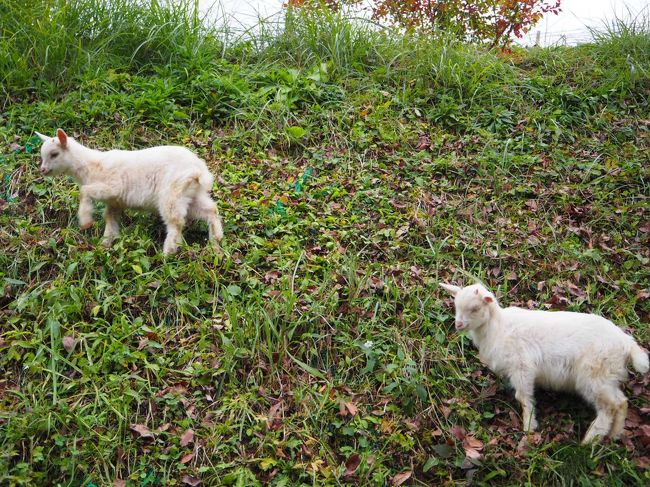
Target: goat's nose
x: 460, y: 325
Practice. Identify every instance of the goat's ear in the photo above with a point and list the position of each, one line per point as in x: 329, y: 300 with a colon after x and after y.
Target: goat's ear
x: 450, y: 288
x: 488, y: 299
x: 41, y: 136
x: 63, y: 138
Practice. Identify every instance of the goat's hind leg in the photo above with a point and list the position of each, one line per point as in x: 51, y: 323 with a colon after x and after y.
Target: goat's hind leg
x: 204, y: 208
x: 174, y: 209
x: 611, y: 409
x: 112, y: 219
x: 619, y: 419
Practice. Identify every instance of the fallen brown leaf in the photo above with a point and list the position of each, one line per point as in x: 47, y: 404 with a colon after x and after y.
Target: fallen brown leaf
x: 350, y: 406
x: 191, y: 480
x: 68, y: 343
x: 471, y: 442
x: 273, y: 419
x: 642, y: 462
x: 142, y: 430
x: 351, y: 464
x: 400, y: 478
x: 187, y: 457
x: 458, y: 432
x: 187, y: 437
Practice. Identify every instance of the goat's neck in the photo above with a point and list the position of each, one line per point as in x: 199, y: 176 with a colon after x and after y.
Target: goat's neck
x: 85, y: 162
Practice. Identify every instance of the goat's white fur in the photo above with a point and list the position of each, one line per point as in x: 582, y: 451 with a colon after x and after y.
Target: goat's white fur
x: 169, y: 179
x: 575, y: 352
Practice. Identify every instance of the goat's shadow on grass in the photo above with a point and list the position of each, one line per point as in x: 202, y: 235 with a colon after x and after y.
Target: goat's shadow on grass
x: 563, y: 413
x: 195, y: 232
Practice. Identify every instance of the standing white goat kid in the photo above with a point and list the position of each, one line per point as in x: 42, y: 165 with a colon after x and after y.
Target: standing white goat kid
x: 574, y: 352
x: 169, y: 179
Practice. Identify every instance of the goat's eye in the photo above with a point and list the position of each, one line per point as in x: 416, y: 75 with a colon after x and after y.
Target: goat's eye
x: 54, y: 154
x: 475, y: 309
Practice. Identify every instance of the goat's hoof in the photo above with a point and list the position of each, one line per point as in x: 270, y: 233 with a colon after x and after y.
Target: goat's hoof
x: 107, y: 243
x: 86, y: 225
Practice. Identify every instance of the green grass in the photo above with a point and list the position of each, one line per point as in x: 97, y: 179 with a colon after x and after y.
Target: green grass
x: 360, y: 168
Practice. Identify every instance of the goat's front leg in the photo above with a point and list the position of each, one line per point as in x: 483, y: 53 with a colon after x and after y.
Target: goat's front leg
x: 524, y: 385
x: 88, y: 193
x: 112, y: 230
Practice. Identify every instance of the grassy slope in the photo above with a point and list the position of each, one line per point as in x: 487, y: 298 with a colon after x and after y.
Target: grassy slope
x: 321, y: 340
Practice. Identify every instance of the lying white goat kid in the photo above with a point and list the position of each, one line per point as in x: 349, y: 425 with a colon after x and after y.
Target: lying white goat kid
x: 574, y: 352
x: 170, y: 179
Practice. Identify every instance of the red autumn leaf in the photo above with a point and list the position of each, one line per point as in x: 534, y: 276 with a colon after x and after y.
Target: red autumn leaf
x: 458, y: 432
x: 68, y: 343
x: 142, y: 430
x: 187, y: 457
x: 351, y: 464
x: 191, y: 480
x: 187, y: 437
x: 153, y: 336
x: 400, y: 478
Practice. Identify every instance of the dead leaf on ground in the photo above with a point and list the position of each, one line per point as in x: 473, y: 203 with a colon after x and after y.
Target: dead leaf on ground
x: 142, y: 430
x: 471, y: 442
x: 68, y: 343
x: 458, y: 432
x: 348, y: 407
x: 400, y: 478
x: 187, y: 437
x: 424, y: 142
x: 642, y: 462
x: 273, y: 419
x: 351, y: 464
x: 187, y: 457
x: 191, y: 480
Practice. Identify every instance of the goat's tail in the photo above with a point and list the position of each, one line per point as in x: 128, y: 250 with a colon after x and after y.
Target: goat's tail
x: 206, y: 180
x: 639, y: 359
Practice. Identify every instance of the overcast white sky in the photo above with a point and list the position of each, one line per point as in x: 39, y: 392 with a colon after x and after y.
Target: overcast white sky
x: 571, y: 23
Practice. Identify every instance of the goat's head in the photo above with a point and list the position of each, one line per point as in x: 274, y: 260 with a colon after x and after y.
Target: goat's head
x: 55, y: 153
x: 473, y: 304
